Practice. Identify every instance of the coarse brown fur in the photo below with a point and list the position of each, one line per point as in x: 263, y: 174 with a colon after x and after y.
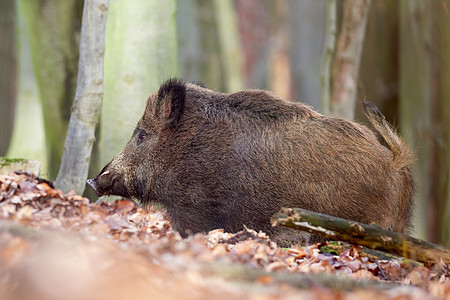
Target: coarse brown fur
x: 217, y: 160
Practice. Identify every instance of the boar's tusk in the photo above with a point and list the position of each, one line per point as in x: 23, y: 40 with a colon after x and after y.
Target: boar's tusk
x: 104, y: 173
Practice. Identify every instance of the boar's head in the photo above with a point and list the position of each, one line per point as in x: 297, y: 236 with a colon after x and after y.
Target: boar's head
x: 130, y: 174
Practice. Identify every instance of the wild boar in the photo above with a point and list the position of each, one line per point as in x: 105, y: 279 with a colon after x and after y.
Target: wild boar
x: 216, y: 160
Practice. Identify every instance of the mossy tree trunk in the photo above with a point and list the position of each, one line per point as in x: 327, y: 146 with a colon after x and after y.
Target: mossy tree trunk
x: 52, y: 28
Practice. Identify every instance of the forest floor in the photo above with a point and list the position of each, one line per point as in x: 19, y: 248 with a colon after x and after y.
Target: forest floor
x: 61, y: 246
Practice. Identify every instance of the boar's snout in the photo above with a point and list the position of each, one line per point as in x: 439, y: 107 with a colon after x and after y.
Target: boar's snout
x: 109, y: 183
x: 93, y: 183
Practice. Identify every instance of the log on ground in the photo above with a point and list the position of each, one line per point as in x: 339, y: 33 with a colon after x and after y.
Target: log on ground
x: 371, y: 236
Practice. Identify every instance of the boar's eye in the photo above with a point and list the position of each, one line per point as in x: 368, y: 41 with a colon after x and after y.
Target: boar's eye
x: 141, y: 136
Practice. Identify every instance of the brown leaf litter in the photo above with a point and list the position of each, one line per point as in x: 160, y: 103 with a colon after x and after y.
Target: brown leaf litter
x: 55, y: 245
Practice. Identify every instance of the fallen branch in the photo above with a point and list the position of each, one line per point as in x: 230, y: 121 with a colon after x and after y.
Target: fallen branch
x: 370, y: 236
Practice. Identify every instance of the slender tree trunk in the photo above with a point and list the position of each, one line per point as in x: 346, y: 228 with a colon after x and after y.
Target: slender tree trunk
x: 347, y: 59
x: 416, y: 96
x: 88, y: 99
x: 328, y: 54
x: 141, y: 52
x: 8, y: 77
x: 54, y: 51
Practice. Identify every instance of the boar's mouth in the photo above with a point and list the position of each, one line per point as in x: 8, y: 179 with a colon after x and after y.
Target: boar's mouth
x: 108, y: 185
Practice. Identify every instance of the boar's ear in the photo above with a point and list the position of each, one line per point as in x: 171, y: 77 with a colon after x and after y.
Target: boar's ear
x: 170, y: 102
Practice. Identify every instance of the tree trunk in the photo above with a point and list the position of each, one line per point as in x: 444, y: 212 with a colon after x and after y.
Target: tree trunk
x: 442, y: 125
x: 416, y: 96
x: 27, y: 142
x: 278, y: 60
x: 54, y: 51
x: 307, y: 28
x: 7, y: 72
x: 88, y: 99
x: 200, y: 53
x: 328, y: 55
x: 256, y: 41
x: 141, y: 52
x: 230, y: 47
x: 379, y: 61
x: 347, y: 59
x: 190, y: 52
